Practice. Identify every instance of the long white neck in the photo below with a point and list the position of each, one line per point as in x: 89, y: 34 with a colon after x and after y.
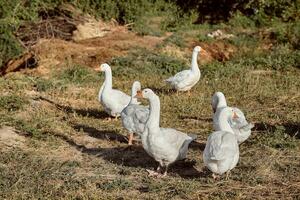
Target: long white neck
x: 224, y: 121
x: 100, y: 91
x: 153, y: 120
x: 133, y: 93
x: 194, y: 64
x: 108, y: 79
x: 221, y: 102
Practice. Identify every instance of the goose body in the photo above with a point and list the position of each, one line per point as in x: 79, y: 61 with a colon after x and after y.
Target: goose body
x: 134, y: 117
x: 113, y: 101
x: 240, y: 126
x: 186, y: 79
x: 221, y: 153
x: 165, y: 145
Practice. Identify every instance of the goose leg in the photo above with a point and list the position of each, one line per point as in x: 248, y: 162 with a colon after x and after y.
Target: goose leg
x: 166, y: 171
x: 108, y: 119
x: 153, y: 173
x: 215, y: 176
x: 158, y: 168
x: 130, y: 138
x: 189, y: 93
x: 227, y: 175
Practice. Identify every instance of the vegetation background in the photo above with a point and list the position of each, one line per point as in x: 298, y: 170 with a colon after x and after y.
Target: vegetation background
x: 55, y: 141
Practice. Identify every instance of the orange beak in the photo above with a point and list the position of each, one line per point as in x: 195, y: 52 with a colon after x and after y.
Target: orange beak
x: 139, y: 94
x: 98, y: 69
x: 235, y: 116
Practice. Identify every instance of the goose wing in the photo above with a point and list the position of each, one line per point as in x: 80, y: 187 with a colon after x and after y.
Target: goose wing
x: 220, y: 145
x: 181, y: 78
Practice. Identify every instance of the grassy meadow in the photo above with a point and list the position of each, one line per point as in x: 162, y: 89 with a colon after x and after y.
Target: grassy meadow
x: 65, y: 148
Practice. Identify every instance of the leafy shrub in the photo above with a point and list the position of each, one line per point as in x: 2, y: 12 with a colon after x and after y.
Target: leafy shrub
x: 241, y: 20
x: 12, y: 14
x: 9, y: 46
x: 175, y: 14
x: 284, y: 9
x: 123, y: 11
x: 287, y: 33
x: 176, y: 39
x: 147, y: 26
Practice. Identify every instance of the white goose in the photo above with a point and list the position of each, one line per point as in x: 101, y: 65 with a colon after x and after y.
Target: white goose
x: 113, y: 101
x: 134, y: 117
x: 165, y: 145
x: 185, y: 80
x: 240, y: 126
x: 221, y: 153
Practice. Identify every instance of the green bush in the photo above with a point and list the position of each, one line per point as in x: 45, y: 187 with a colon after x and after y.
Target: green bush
x: 287, y: 33
x: 9, y: 45
x: 176, y: 39
x: 284, y: 9
x: 12, y: 14
x: 16, y: 12
x: 241, y: 20
x: 124, y: 11
x: 174, y: 15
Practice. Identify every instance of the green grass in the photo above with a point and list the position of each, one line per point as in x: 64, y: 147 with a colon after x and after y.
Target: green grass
x: 175, y: 39
x: 143, y: 61
x: 73, y: 152
x: 12, y: 102
x: 77, y: 75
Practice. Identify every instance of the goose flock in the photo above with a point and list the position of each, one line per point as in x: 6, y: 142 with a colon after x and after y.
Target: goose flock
x: 168, y: 145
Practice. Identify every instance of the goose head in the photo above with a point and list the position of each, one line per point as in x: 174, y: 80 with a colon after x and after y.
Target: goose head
x: 104, y: 67
x: 136, y: 86
x: 218, y: 100
x: 226, y: 116
x: 197, y: 49
x: 238, y: 118
x: 146, y: 94
x: 230, y: 113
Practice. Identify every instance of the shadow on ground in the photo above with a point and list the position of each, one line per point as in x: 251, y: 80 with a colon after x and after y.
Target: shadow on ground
x: 89, y: 112
x: 101, y: 134
x: 163, y: 90
x: 197, y: 146
x: 135, y: 156
x: 203, y: 119
x: 291, y: 128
